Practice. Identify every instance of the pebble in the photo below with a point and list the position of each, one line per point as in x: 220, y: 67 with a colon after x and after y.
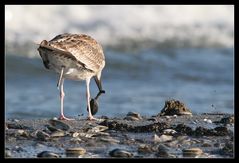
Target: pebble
x: 169, y: 132
x: 192, y: 152
x: 133, y: 116
x: 8, y: 153
x: 227, y: 120
x: 16, y: 120
x: 42, y: 135
x: 75, y: 140
x: 74, y: 152
x: 75, y: 134
x: 162, y: 138
x: 102, y: 134
x: 51, y: 128
x: 110, y: 140
x: 207, y: 120
x: 48, y: 154
x: 206, y: 145
x: 144, y: 148
x: 120, y: 153
x: 18, y: 149
x: 58, y: 134
x: 162, y: 151
x: 98, y: 128
x: 86, y: 135
x: 16, y: 126
x: 59, y: 124
x: 23, y: 133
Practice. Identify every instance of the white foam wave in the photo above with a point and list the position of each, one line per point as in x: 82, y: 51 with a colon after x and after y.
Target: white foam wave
x: 184, y: 25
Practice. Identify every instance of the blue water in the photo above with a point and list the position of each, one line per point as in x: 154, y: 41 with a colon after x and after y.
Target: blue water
x: 138, y: 81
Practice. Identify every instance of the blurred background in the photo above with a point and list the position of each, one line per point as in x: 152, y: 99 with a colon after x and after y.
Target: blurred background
x: 153, y: 53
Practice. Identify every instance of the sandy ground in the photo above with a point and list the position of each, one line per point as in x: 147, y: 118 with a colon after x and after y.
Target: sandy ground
x: 210, y: 136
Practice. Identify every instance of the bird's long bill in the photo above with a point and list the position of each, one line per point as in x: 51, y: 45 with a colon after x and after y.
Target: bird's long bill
x: 98, y: 83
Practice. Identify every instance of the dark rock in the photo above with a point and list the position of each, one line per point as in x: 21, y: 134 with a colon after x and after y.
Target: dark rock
x: 192, y: 152
x: 162, y: 151
x: 8, y: 153
x: 221, y: 131
x: 183, y: 129
x: 120, y: 153
x: 59, y: 124
x: 16, y: 126
x: 227, y: 149
x: 227, y: 120
x: 48, y: 154
x: 174, y: 107
x: 144, y: 148
x: 74, y: 152
x: 42, y: 135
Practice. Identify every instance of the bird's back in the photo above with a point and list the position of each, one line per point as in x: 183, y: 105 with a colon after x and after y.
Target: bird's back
x: 83, y: 47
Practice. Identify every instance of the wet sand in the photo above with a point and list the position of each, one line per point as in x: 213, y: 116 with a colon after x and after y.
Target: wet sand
x: 133, y: 136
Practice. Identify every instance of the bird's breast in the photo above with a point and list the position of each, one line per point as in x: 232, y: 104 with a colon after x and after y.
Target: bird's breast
x: 77, y: 73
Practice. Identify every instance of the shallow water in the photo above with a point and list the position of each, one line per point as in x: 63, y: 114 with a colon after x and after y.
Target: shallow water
x: 139, y: 81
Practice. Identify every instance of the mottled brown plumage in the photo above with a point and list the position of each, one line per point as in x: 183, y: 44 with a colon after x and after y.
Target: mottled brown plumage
x: 73, y: 56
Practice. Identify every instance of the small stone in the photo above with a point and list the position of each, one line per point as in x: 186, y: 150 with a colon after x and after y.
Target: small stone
x: 59, y: 124
x: 227, y: 120
x: 120, y: 153
x: 75, y: 140
x: 131, y: 118
x: 42, y: 135
x: 16, y: 126
x: 86, y: 135
x: 23, y: 133
x: 58, y: 134
x: 207, y: 120
x: 143, y: 148
x: 227, y: 149
x: 169, y: 132
x: 16, y: 120
x: 98, y: 128
x: 162, y: 138
x: 162, y: 151
x: 192, y: 152
x: 110, y: 140
x: 75, y: 134
x: 206, y: 145
x: 48, y: 154
x: 74, y: 152
x: 8, y: 153
x: 101, y: 134
x: 51, y: 128
x: 134, y: 114
x: 18, y: 149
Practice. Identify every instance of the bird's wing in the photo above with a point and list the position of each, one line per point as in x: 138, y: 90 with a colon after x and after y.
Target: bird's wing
x: 54, y: 51
x: 84, y: 48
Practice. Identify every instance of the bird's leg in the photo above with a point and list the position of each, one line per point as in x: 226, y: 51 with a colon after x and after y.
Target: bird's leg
x: 99, y: 85
x: 60, y: 77
x: 90, y: 117
x: 62, y: 95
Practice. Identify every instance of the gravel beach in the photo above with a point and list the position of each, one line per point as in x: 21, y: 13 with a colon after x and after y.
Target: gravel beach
x: 132, y: 136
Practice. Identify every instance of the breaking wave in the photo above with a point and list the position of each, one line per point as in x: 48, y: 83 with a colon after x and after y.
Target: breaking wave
x: 121, y: 27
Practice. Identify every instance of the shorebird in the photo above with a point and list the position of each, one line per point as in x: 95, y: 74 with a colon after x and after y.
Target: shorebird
x: 75, y: 57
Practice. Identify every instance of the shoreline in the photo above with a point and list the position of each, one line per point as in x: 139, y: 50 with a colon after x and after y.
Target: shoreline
x: 196, y: 136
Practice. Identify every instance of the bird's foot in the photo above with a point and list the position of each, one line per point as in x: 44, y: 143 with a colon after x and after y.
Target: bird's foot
x: 62, y: 117
x: 91, y: 118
